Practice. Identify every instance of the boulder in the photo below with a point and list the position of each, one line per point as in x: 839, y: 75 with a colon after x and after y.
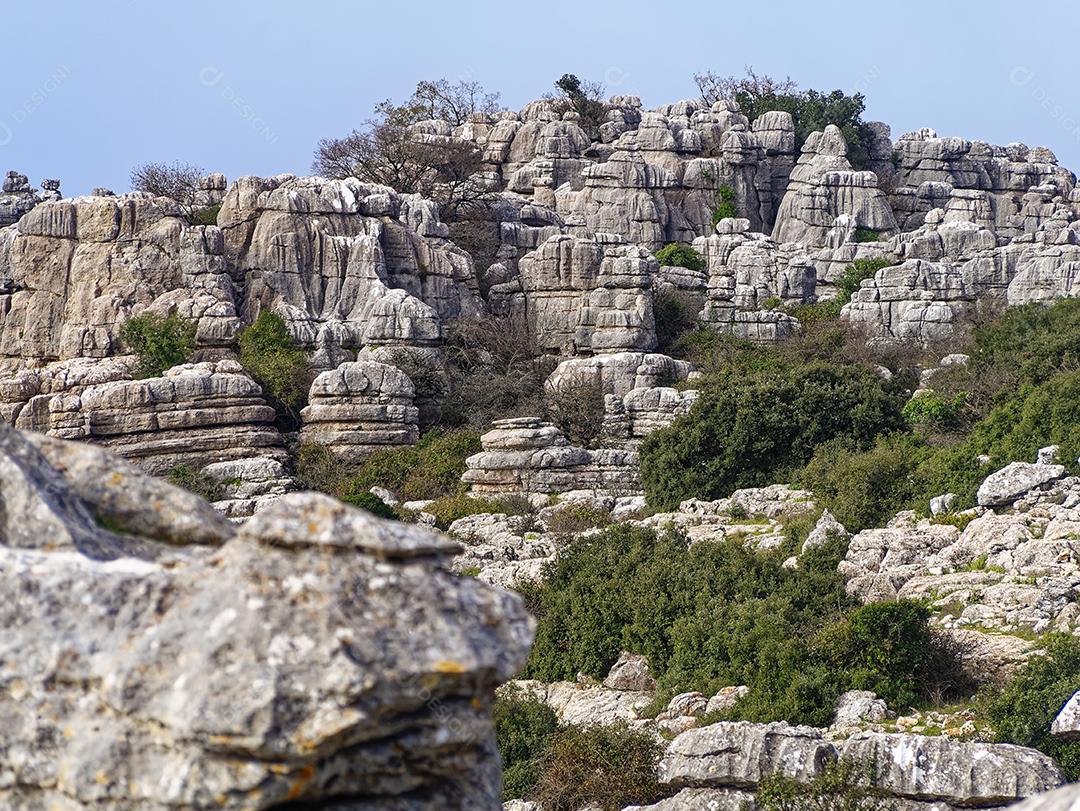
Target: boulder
x: 361, y: 407
x: 1014, y: 481
x: 1067, y: 722
x: 856, y: 706
x: 318, y: 655
x: 740, y: 754
x: 965, y: 773
x: 630, y: 672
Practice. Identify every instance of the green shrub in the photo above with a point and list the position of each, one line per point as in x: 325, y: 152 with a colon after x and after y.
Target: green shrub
x: 675, y: 315
x: 866, y: 234
x: 679, y: 255
x: 865, y: 488
x: 753, y: 429
x: 201, y: 484
x: 931, y: 410
x: 372, y: 504
x: 577, y: 517
x: 883, y: 647
x: 432, y: 468
x: 820, y: 311
x: 609, y: 766
x: 725, y: 205
x: 719, y: 613
x: 855, y: 274
x: 812, y: 111
x: 205, y: 216
x: 1023, y: 711
x: 842, y: 785
x: 269, y: 353
x: 577, y: 409
x: 158, y: 342
x: 449, y: 509
x: 524, y: 726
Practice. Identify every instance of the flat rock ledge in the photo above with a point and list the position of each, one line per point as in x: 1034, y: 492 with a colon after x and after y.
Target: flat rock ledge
x: 315, y: 655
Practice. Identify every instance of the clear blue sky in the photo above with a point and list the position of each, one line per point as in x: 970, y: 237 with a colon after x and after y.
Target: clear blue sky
x: 91, y: 89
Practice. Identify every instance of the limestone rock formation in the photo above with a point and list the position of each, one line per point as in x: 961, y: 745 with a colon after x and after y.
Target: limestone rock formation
x: 582, y: 297
x: 16, y: 198
x: 526, y: 455
x: 933, y: 768
x: 195, y: 414
x: 822, y: 187
x: 1067, y: 722
x: 359, y: 408
x: 316, y: 655
x: 1015, y: 480
x: 347, y: 264
x: 740, y: 754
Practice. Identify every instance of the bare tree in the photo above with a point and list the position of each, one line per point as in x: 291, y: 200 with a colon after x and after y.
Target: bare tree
x: 454, y: 102
x: 178, y: 181
x: 394, y: 151
x: 715, y: 88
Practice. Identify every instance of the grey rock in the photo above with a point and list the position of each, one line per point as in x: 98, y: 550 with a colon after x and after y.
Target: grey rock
x: 319, y: 654
x: 1065, y: 798
x: 856, y: 706
x: 740, y: 754
x: 963, y: 773
x: 630, y: 672
x: 1066, y: 723
x: 1015, y: 480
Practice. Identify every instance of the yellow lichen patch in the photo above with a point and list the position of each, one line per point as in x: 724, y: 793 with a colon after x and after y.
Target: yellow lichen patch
x: 447, y: 666
x: 101, y: 779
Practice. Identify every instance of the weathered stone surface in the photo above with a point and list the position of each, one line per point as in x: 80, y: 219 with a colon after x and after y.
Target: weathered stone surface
x: 575, y: 703
x: 1065, y: 798
x: 249, y: 485
x: 1015, y: 480
x: 703, y: 799
x: 319, y: 656
x: 618, y: 373
x: 630, y: 672
x: 528, y: 456
x: 856, y: 706
x: 582, y: 297
x: 822, y: 187
x: 359, y: 408
x: 1067, y: 722
x: 741, y: 754
x: 195, y: 414
x: 919, y: 767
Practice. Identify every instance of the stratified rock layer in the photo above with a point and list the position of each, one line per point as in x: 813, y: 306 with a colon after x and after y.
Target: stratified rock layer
x: 318, y: 655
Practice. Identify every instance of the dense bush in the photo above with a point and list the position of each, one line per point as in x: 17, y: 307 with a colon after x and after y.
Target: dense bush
x: 609, y: 767
x: 855, y: 274
x: 524, y: 726
x: 865, y: 488
x: 752, y: 429
x: 372, y: 503
x: 866, y: 234
x: 675, y: 315
x: 270, y: 354
x: 679, y: 255
x: 931, y: 411
x: 206, y: 215
x: 432, y: 468
x: 495, y: 371
x: 1023, y: 711
x: 842, y: 785
x: 716, y: 614
x: 884, y: 647
x: 158, y: 342
x: 201, y: 484
x: 725, y: 205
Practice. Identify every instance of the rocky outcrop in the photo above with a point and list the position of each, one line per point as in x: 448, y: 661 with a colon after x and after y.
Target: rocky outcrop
x: 526, y: 455
x: 195, y: 414
x: 1016, y: 479
x: 582, y: 297
x: 961, y: 773
x: 740, y: 754
x: 932, y: 170
x: 618, y: 373
x: 16, y: 198
x: 249, y: 485
x: 347, y: 264
x: 316, y: 655
x: 73, y: 271
x: 1067, y: 722
x: 714, y: 760
x: 822, y: 187
x: 359, y: 408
